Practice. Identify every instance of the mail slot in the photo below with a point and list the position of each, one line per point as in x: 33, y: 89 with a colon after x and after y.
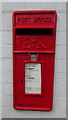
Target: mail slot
x: 34, y: 37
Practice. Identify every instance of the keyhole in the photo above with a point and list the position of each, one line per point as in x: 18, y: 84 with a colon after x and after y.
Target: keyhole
x: 21, y: 80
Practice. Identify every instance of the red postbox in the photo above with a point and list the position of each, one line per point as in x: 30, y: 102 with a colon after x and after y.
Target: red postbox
x: 34, y: 34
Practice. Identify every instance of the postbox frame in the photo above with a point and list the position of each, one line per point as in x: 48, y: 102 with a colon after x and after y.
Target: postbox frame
x: 16, y: 52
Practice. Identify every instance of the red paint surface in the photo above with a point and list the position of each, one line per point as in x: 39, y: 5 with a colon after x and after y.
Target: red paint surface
x: 34, y: 32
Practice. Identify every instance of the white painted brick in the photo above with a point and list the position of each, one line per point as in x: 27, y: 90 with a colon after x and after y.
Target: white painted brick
x: 34, y: 5
x: 60, y: 79
x: 7, y: 77
x: 61, y: 38
x: 7, y: 51
x: 59, y: 110
x: 6, y: 37
x: 0, y: 5
x: 7, y: 64
x: 0, y: 89
x: 0, y: 77
x: 0, y: 37
x: 0, y: 20
x: 7, y: 101
x: 45, y: 6
x: 0, y: 51
x: 0, y: 100
x: 60, y: 65
x: 60, y: 52
x: 0, y: 64
x: 7, y: 89
x: 61, y: 22
x: 7, y: 21
x: 0, y: 113
x: 59, y: 91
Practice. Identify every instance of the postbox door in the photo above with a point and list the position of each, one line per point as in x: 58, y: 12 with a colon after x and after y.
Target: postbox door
x: 35, y: 99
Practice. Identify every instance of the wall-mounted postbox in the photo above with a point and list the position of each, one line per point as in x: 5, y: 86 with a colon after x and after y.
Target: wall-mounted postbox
x: 34, y: 34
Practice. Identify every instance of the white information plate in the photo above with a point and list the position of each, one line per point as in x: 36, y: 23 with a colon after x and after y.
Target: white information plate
x: 33, y: 78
